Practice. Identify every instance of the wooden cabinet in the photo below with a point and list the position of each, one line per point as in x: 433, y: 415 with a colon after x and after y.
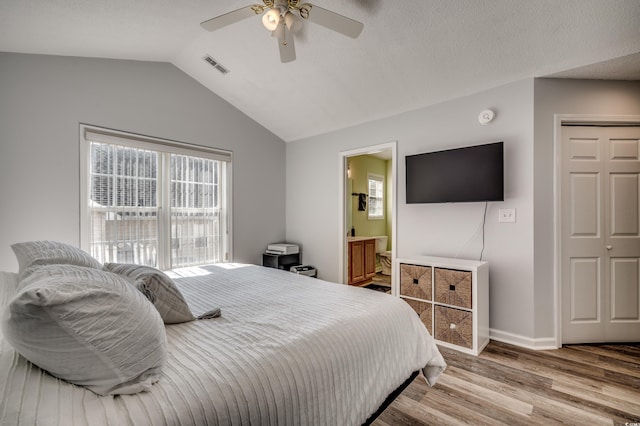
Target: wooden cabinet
x: 451, y: 296
x: 369, y: 258
x: 362, y: 261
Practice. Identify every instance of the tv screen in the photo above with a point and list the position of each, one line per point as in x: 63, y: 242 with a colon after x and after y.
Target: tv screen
x: 469, y: 174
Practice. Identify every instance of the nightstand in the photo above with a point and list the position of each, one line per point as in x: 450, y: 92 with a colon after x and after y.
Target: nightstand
x: 280, y: 261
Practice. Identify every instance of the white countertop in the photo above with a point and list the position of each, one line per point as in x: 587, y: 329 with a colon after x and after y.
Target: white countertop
x: 349, y: 239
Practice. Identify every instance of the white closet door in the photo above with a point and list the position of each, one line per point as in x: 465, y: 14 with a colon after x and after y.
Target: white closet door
x: 600, y: 231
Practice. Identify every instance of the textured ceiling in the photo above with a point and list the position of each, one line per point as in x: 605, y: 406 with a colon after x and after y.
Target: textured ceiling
x: 411, y: 54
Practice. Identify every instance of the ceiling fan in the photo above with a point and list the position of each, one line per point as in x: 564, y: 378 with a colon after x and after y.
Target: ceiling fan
x: 285, y: 17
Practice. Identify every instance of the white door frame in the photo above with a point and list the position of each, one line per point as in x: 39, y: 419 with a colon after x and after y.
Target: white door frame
x: 342, y: 192
x: 559, y: 119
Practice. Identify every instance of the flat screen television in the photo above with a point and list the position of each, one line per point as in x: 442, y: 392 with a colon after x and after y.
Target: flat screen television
x: 470, y: 174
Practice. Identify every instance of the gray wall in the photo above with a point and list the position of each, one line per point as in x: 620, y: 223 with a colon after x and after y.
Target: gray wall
x: 521, y: 255
x: 313, y: 169
x: 44, y: 98
x: 554, y: 96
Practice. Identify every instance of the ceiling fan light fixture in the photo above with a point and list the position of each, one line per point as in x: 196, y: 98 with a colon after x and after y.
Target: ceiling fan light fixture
x: 271, y: 19
x: 293, y: 22
x: 283, y: 18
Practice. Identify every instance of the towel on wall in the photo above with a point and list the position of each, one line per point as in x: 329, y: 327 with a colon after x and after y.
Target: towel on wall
x: 362, y: 202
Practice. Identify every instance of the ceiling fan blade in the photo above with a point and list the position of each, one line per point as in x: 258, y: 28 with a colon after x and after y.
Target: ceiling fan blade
x: 332, y: 20
x: 232, y: 17
x: 286, y: 45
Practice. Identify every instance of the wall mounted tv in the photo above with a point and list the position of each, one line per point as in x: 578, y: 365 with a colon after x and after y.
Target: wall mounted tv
x: 474, y: 173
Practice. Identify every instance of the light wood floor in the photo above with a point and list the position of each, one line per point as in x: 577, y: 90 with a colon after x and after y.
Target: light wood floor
x: 575, y: 385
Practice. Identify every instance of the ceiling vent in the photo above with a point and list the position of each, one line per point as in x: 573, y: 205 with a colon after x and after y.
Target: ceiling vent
x: 216, y: 64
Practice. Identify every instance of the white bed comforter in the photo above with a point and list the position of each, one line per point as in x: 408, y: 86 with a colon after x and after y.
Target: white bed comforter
x: 287, y: 350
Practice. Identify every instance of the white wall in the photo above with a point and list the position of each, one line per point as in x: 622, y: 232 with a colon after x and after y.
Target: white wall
x: 432, y: 229
x: 44, y: 98
x: 554, y: 96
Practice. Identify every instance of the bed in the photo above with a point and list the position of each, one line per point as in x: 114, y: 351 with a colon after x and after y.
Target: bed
x: 286, y: 349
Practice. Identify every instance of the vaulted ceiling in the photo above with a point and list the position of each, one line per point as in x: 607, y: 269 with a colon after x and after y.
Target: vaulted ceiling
x: 411, y: 54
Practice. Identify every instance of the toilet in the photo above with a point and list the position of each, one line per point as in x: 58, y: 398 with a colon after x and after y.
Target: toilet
x: 383, y: 256
x: 385, y: 261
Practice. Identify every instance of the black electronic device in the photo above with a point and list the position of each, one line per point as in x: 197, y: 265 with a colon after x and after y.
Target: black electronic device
x: 469, y: 174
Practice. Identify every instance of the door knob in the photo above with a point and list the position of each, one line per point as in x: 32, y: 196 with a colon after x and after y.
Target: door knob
x: 609, y: 247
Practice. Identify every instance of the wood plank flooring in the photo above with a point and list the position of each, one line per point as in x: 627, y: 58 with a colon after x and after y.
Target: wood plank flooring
x: 509, y: 385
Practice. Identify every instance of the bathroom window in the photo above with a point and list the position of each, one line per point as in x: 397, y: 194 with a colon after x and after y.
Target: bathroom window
x: 376, y: 196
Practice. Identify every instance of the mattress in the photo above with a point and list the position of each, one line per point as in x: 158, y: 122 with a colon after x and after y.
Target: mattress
x: 288, y: 350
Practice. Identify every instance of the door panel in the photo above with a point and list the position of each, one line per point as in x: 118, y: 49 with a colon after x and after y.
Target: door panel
x: 583, y: 242
x: 585, y: 290
x: 600, y: 234
x: 624, y: 149
x: 356, y: 261
x: 624, y: 275
x: 370, y: 258
x: 624, y: 205
x: 585, y: 211
x: 623, y: 242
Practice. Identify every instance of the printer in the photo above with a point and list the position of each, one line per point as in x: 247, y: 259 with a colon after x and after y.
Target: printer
x: 282, y: 248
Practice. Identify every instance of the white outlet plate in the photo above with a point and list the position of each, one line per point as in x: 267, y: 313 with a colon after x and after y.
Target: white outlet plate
x: 507, y: 215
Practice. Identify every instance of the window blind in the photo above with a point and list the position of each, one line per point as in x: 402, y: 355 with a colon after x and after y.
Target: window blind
x: 119, y: 138
x: 154, y: 202
x: 123, y: 204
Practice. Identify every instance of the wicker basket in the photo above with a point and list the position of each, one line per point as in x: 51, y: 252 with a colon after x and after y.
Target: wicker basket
x: 454, y: 326
x: 415, y: 281
x: 453, y: 287
x: 423, y: 309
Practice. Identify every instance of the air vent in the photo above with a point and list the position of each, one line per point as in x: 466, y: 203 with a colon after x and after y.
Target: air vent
x: 216, y: 64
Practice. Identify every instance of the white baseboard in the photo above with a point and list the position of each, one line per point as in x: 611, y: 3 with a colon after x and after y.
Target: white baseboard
x: 525, y: 342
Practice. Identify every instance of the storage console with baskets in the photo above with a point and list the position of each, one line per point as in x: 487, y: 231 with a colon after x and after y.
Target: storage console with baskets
x: 451, y: 296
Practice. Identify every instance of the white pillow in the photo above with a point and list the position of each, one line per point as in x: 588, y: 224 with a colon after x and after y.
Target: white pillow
x: 35, y: 253
x: 88, y: 327
x: 158, y: 288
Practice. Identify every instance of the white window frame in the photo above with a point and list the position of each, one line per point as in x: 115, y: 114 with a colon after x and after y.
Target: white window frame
x: 90, y: 134
x: 377, y: 178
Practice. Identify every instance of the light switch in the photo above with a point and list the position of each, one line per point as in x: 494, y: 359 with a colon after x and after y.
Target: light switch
x: 507, y: 215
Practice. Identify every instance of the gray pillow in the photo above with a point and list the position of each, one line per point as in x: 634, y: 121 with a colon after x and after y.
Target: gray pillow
x: 158, y: 288
x: 88, y: 327
x: 34, y: 253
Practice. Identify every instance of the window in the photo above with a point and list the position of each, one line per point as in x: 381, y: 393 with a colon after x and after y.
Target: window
x: 376, y: 196
x: 153, y: 202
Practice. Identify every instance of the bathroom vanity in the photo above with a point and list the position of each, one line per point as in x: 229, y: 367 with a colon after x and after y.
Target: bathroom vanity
x: 361, y: 260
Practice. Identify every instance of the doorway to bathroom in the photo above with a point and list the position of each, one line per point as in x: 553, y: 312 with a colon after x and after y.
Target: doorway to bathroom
x: 367, y: 199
